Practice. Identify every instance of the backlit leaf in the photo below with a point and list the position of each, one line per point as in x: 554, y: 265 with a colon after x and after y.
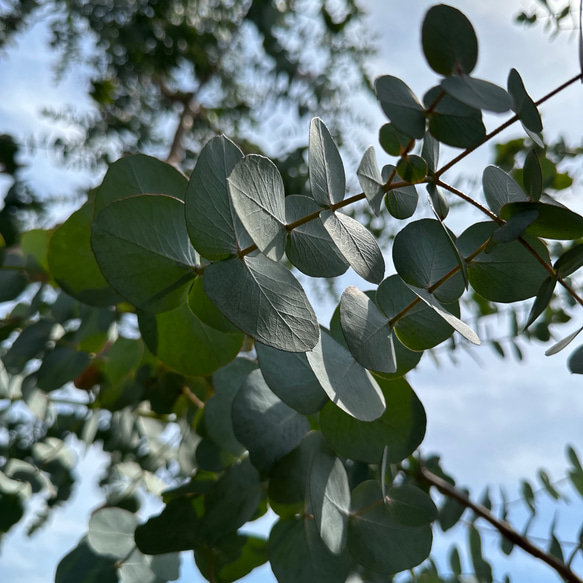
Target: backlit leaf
x: 398, y: 432
x: 542, y: 300
x: 449, y: 41
x: 477, y: 93
x: 500, y: 189
x: 524, y: 106
x: 532, y: 176
x: 412, y: 168
x: 82, y: 565
x: 348, y: 385
x: 264, y: 424
x: 143, y: 250
x: 258, y: 197
x: 401, y: 106
x: 356, y: 244
x: 371, y: 180
x: 570, y: 261
x: 262, y: 298
x: 111, y: 532
x: 400, y: 202
x: 367, y: 331
x: 327, y: 178
x: 209, y: 215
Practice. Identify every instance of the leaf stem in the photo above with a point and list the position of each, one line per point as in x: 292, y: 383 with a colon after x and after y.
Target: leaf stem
x: 503, y: 527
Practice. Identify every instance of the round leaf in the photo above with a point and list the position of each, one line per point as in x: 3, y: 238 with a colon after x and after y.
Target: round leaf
x: 187, y: 345
x: 401, y: 106
x: 410, y: 505
x: 73, y: 265
x: 508, y: 272
x: 449, y: 41
x: 139, y: 174
x: 143, y: 250
x: 400, y: 202
x: 412, y: 168
x: 266, y: 426
x: 392, y: 141
x: 422, y: 255
x: 309, y: 246
x: 111, y: 532
x: 262, y: 298
x: 290, y: 377
x: 400, y: 429
x: 377, y: 540
x: 348, y: 385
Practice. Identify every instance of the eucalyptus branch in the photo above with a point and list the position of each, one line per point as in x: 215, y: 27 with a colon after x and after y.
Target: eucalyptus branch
x: 503, y: 527
x: 505, y: 125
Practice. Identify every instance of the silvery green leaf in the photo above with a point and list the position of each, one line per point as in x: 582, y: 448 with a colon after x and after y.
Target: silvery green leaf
x: 258, y: 197
x: 371, y: 180
x: 327, y: 178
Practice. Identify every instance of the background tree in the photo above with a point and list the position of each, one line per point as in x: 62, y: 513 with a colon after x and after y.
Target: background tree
x: 149, y: 259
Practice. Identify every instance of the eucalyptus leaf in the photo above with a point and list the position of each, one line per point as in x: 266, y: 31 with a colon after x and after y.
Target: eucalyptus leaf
x: 309, y: 246
x: 209, y: 214
x: 329, y: 499
x: 477, y: 93
x: 400, y: 202
x: 563, y: 343
x: 187, y: 345
x: 430, y: 152
x: 401, y: 106
x: 508, y: 272
x: 532, y: 176
x: 500, y: 189
x: 410, y: 506
x: 73, y: 265
x: 139, y: 174
x: 143, y: 250
x: 449, y: 41
x: 523, y: 105
x: 377, y: 540
x: 263, y: 299
x: 264, y: 424
x: 348, y: 385
x: 515, y: 226
x: 111, y: 532
x: 327, y: 178
x: 356, y: 244
x: 60, y: 366
x: 290, y: 377
x: 392, y: 141
x: 438, y: 203
x: 542, y: 300
x: 137, y: 569
x: 258, y: 197
x: 83, y: 565
x: 452, y: 122
x: 371, y: 181
x: 570, y: 261
x: 423, y: 256
x: 397, y: 433
x: 367, y: 331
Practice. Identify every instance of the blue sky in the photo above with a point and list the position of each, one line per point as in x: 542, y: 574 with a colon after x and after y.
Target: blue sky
x: 493, y: 423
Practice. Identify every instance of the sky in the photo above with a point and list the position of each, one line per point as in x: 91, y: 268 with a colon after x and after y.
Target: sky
x: 493, y: 423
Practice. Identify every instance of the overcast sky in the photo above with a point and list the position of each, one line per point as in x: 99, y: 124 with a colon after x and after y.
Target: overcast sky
x: 493, y: 423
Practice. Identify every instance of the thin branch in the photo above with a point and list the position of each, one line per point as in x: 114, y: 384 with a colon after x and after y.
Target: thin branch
x: 192, y: 397
x: 503, y: 527
x: 471, y: 201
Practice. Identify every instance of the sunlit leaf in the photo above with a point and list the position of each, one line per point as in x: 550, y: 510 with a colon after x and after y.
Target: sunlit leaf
x: 500, y: 189
x: 348, y: 385
x: 263, y: 299
x: 371, y: 180
x: 143, y: 250
x: 111, y: 532
x: 401, y: 106
x: 209, y: 215
x: 327, y: 178
x: 258, y: 197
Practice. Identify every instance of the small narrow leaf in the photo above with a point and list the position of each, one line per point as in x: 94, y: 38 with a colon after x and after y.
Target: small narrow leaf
x: 438, y: 202
x: 262, y: 298
x: 258, y: 197
x: 525, y: 107
x: 515, y: 226
x: 371, y: 180
x: 570, y: 261
x: 454, y: 322
x: 532, y: 176
x: 367, y: 331
x: 430, y: 152
x: 401, y: 106
x: 327, y: 178
x: 348, y: 385
x: 356, y: 244
x: 542, y: 300
x: 563, y: 343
